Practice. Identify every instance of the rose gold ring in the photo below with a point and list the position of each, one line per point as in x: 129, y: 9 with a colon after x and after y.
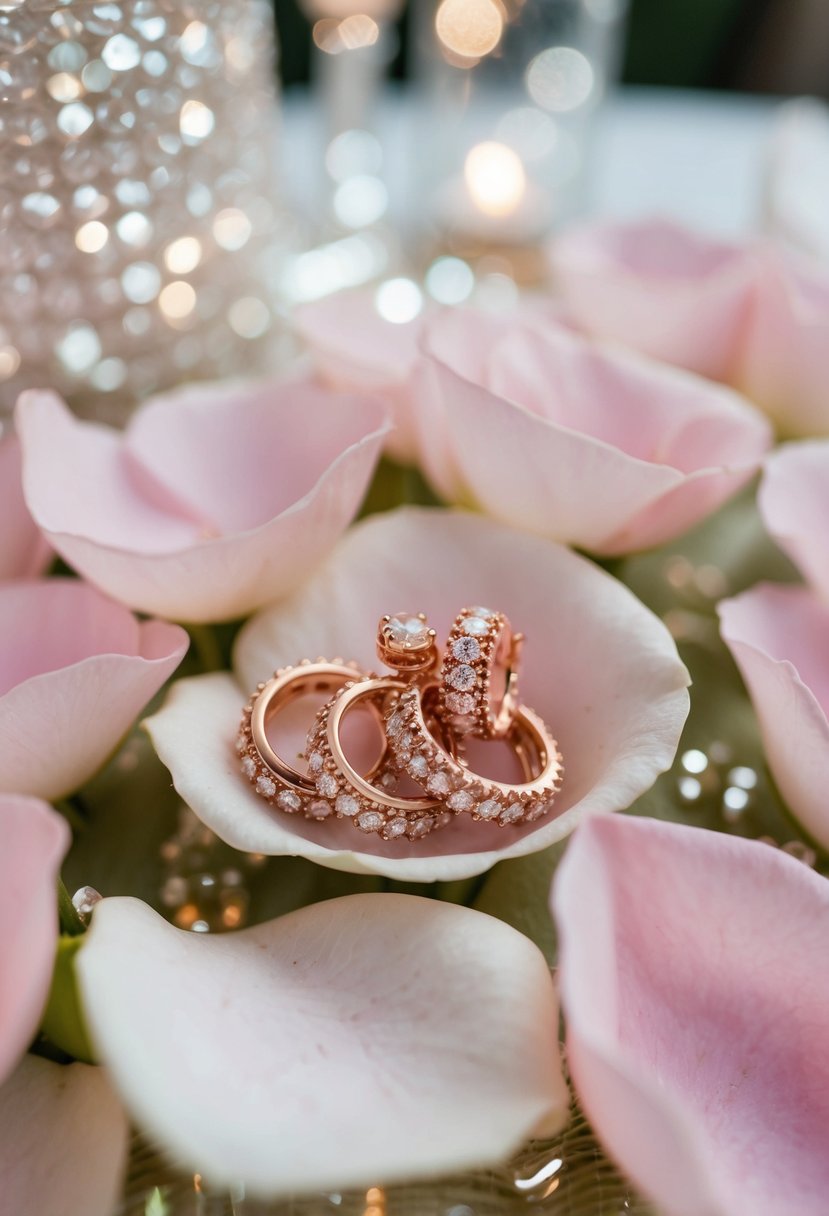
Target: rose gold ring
x: 479, y: 677
x: 356, y: 796
x: 273, y: 778
x: 407, y: 645
x: 415, y: 750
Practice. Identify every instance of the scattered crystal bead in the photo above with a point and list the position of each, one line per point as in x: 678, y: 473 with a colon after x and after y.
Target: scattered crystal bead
x: 489, y: 809
x: 370, y: 821
x: 327, y: 785
x: 460, y: 703
x: 84, y: 901
x: 289, y: 801
x: 241, y: 743
x: 347, y: 804
x: 474, y: 626
x: 462, y: 677
x: 265, y: 787
x: 460, y: 801
x: 466, y: 650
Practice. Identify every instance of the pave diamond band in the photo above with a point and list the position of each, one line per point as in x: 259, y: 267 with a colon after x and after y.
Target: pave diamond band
x: 479, y: 675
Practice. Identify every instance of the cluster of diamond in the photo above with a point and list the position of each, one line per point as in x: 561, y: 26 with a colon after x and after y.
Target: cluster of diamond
x: 467, y: 667
x: 415, y: 753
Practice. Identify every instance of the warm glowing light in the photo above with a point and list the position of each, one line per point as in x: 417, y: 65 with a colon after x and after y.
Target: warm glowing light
x: 183, y: 255
x: 177, y: 300
x: 350, y: 34
x: 398, y: 300
x: 63, y: 86
x: 495, y: 178
x: 92, y: 236
x: 9, y: 361
x: 560, y: 79
x: 231, y: 229
x: 249, y: 317
x: 469, y: 28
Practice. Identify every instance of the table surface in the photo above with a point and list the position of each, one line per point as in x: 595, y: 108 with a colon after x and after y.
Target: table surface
x: 699, y: 157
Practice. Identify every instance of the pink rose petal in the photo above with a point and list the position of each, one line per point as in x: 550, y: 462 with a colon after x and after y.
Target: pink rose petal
x: 63, y: 1140
x: 33, y: 841
x: 598, y: 667
x: 660, y: 289
x: 589, y: 445
x: 794, y: 503
x: 23, y: 551
x: 217, y: 499
x: 696, y: 995
x: 353, y: 1042
x: 778, y: 637
x: 75, y: 671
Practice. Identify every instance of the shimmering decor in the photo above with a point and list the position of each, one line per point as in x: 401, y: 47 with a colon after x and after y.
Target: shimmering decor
x: 139, y: 235
x: 513, y: 88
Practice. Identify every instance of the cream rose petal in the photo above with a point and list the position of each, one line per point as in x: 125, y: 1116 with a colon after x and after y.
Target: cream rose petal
x: 598, y: 667
x: 794, y: 503
x: 356, y: 1041
x: 33, y: 841
x: 63, y: 1140
x: 216, y: 500
x: 76, y: 669
x: 694, y: 981
x: 778, y: 637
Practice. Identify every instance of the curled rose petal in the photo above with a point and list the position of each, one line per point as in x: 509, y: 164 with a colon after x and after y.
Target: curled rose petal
x: 598, y: 667
x: 358, y: 1040
x: 660, y: 289
x: 75, y: 670
x: 63, y: 1140
x: 778, y: 637
x: 587, y: 444
x: 33, y: 841
x: 696, y: 995
x: 794, y: 503
x: 217, y: 499
x: 23, y: 551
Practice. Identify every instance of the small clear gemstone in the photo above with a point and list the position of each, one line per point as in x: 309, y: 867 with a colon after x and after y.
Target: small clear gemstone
x: 389, y: 781
x: 490, y: 809
x: 248, y: 767
x: 319, y: 808
x: 535, y: 811
x: 484, y: 613
x: 438, y: 784
x: 466, y: 650
x: 406, y: 739
x: 394, y: 724
x: 462, y: 677
x: 265, y: 787
x: 460, y: 801
x: 404, y: 632
x: 289, y: 801
x: 418, y: 767
x: 512, y: 813
x: 327, y: 785
x: 241, y: 743
x: 460, y: 703
x: 370, y: 821
x: 347, y: 804
x: 422, y: 826
x: 474, y: 626
x: 315, y: 762
x: 396, y: 827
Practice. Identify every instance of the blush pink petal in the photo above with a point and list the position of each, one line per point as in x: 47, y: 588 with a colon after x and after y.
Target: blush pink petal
x: 75, y: 670
x: 658, y: 288
x: 33, y: 841
x: 598, y: 667
x: 23, y: 551
x: 695, y: 989
x: 794, y: 503
x: 354, y: 1042
x: 215, y: 501
x: 356, y: 350
x: 778, y: 637
x: 785, y: 361
x: 63, y: 1140
x: 586, y: 444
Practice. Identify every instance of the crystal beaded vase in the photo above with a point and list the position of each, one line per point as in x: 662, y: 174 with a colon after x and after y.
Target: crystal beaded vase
x: 140, y: 236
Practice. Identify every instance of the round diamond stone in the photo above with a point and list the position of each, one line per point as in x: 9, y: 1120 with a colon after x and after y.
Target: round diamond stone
x: 347, y: 804
x: 265, y: 787
x: 422, y: 826
x: 466, y: 650
x: 289, y: 801
x: 404, y: 632
x: 327, y: 785
x: 370, y: 821
x: 490, y: 809
x: 460, y: 703
x: 319, y: 808
x: 397, y: 827
x: 462, y: 677
x: 248, y: 766
x: 474, y: 626
x: 484, y: 613
x: 418, y: 767
x: 315, y: 762
x: 512, y: 813
x: 460, y: 801
x: 438, y: 784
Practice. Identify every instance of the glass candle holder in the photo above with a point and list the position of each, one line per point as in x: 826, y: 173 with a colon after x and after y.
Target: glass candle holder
x: 140, y: 238
x: 510, y: 88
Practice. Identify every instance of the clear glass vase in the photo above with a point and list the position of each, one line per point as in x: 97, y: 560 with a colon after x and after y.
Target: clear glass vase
x: 140, y: 236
